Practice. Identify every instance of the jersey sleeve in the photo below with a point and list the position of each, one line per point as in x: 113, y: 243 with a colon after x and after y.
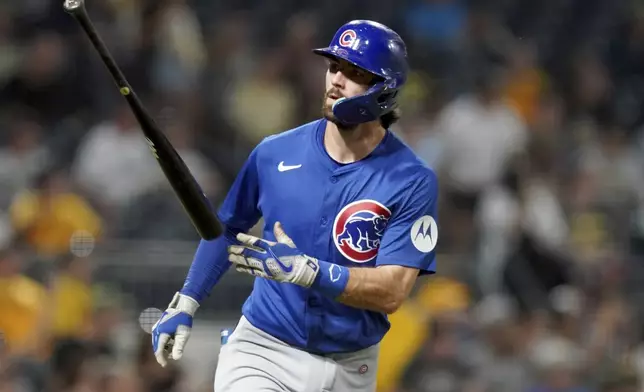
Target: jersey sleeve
x: 238, y: 213
x: 240, y: 208
x: 411, y: 234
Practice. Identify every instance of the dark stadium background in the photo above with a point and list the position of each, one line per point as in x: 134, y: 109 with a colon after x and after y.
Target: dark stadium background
x: 541, y: 264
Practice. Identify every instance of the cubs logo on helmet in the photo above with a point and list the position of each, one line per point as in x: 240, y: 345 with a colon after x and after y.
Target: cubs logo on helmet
x: 347, y: 38
x: 358, y: 229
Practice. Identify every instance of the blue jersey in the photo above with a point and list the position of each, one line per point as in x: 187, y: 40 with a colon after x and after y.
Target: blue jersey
x: 380, y: 210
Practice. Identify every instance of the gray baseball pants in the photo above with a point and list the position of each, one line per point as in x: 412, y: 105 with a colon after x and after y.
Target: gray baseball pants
x: 253, y: 360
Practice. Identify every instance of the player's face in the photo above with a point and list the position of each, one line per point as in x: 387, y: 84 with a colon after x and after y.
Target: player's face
x: 343, y: 80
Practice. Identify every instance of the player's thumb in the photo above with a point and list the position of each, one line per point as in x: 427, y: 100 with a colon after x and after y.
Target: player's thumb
x: 281, y: 236
x: 180, y: 340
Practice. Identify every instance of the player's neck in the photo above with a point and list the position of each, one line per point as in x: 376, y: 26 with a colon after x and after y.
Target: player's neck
x: 347, y: 146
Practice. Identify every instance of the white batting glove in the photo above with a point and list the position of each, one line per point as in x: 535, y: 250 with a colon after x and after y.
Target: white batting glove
x: 280, y: 261
x: 170, y: 334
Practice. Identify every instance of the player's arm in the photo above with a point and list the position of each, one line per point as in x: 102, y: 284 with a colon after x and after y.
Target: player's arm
x: 238, y: 213
x: 407, y: 249
x: 381, y: 289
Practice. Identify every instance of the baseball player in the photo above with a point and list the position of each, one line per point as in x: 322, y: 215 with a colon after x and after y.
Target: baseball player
x: 350, y: 223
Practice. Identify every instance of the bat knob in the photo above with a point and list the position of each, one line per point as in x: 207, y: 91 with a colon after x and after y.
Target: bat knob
x: 72, y: 5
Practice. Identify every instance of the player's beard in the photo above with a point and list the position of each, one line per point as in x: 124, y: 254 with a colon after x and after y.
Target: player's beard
x: 327, y: 112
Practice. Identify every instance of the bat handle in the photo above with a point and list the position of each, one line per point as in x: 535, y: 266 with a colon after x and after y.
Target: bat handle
x: 72, y: 5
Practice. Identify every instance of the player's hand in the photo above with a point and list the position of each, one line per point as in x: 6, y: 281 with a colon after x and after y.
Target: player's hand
x: 170, y: 334
x: 280, y: 261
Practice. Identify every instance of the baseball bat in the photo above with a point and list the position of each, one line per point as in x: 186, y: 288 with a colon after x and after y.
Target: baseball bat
x: 190, y: 194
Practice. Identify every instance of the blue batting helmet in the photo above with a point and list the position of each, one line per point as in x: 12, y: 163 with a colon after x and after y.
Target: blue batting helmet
x: 375, y: 48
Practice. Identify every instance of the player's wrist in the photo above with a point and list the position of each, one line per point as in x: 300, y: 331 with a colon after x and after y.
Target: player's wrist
x: 331, y: 279
x: 184, y: 303
x: 193, y: 292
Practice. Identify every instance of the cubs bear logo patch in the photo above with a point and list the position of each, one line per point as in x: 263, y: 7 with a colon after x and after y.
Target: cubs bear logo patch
x: 358, y: 229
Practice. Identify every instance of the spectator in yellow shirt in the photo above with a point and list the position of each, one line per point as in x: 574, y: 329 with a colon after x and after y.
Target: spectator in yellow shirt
x: 22, y: 305
x: 72, y: 294
x: 50, y: 214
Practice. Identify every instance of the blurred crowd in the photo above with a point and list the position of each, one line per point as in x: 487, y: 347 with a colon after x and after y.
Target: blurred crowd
x: 530, y: 111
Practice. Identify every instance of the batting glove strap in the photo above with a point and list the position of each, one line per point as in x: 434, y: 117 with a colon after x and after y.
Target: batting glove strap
x: 184, y: 304
x: 305, y: 270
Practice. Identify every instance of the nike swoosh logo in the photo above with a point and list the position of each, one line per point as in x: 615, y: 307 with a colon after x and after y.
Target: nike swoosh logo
x: 286, y: 268
x: 282, y: 167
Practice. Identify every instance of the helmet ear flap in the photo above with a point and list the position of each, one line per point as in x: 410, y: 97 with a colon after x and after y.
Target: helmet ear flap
x: 366, y: 107
x: 384, y: 98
